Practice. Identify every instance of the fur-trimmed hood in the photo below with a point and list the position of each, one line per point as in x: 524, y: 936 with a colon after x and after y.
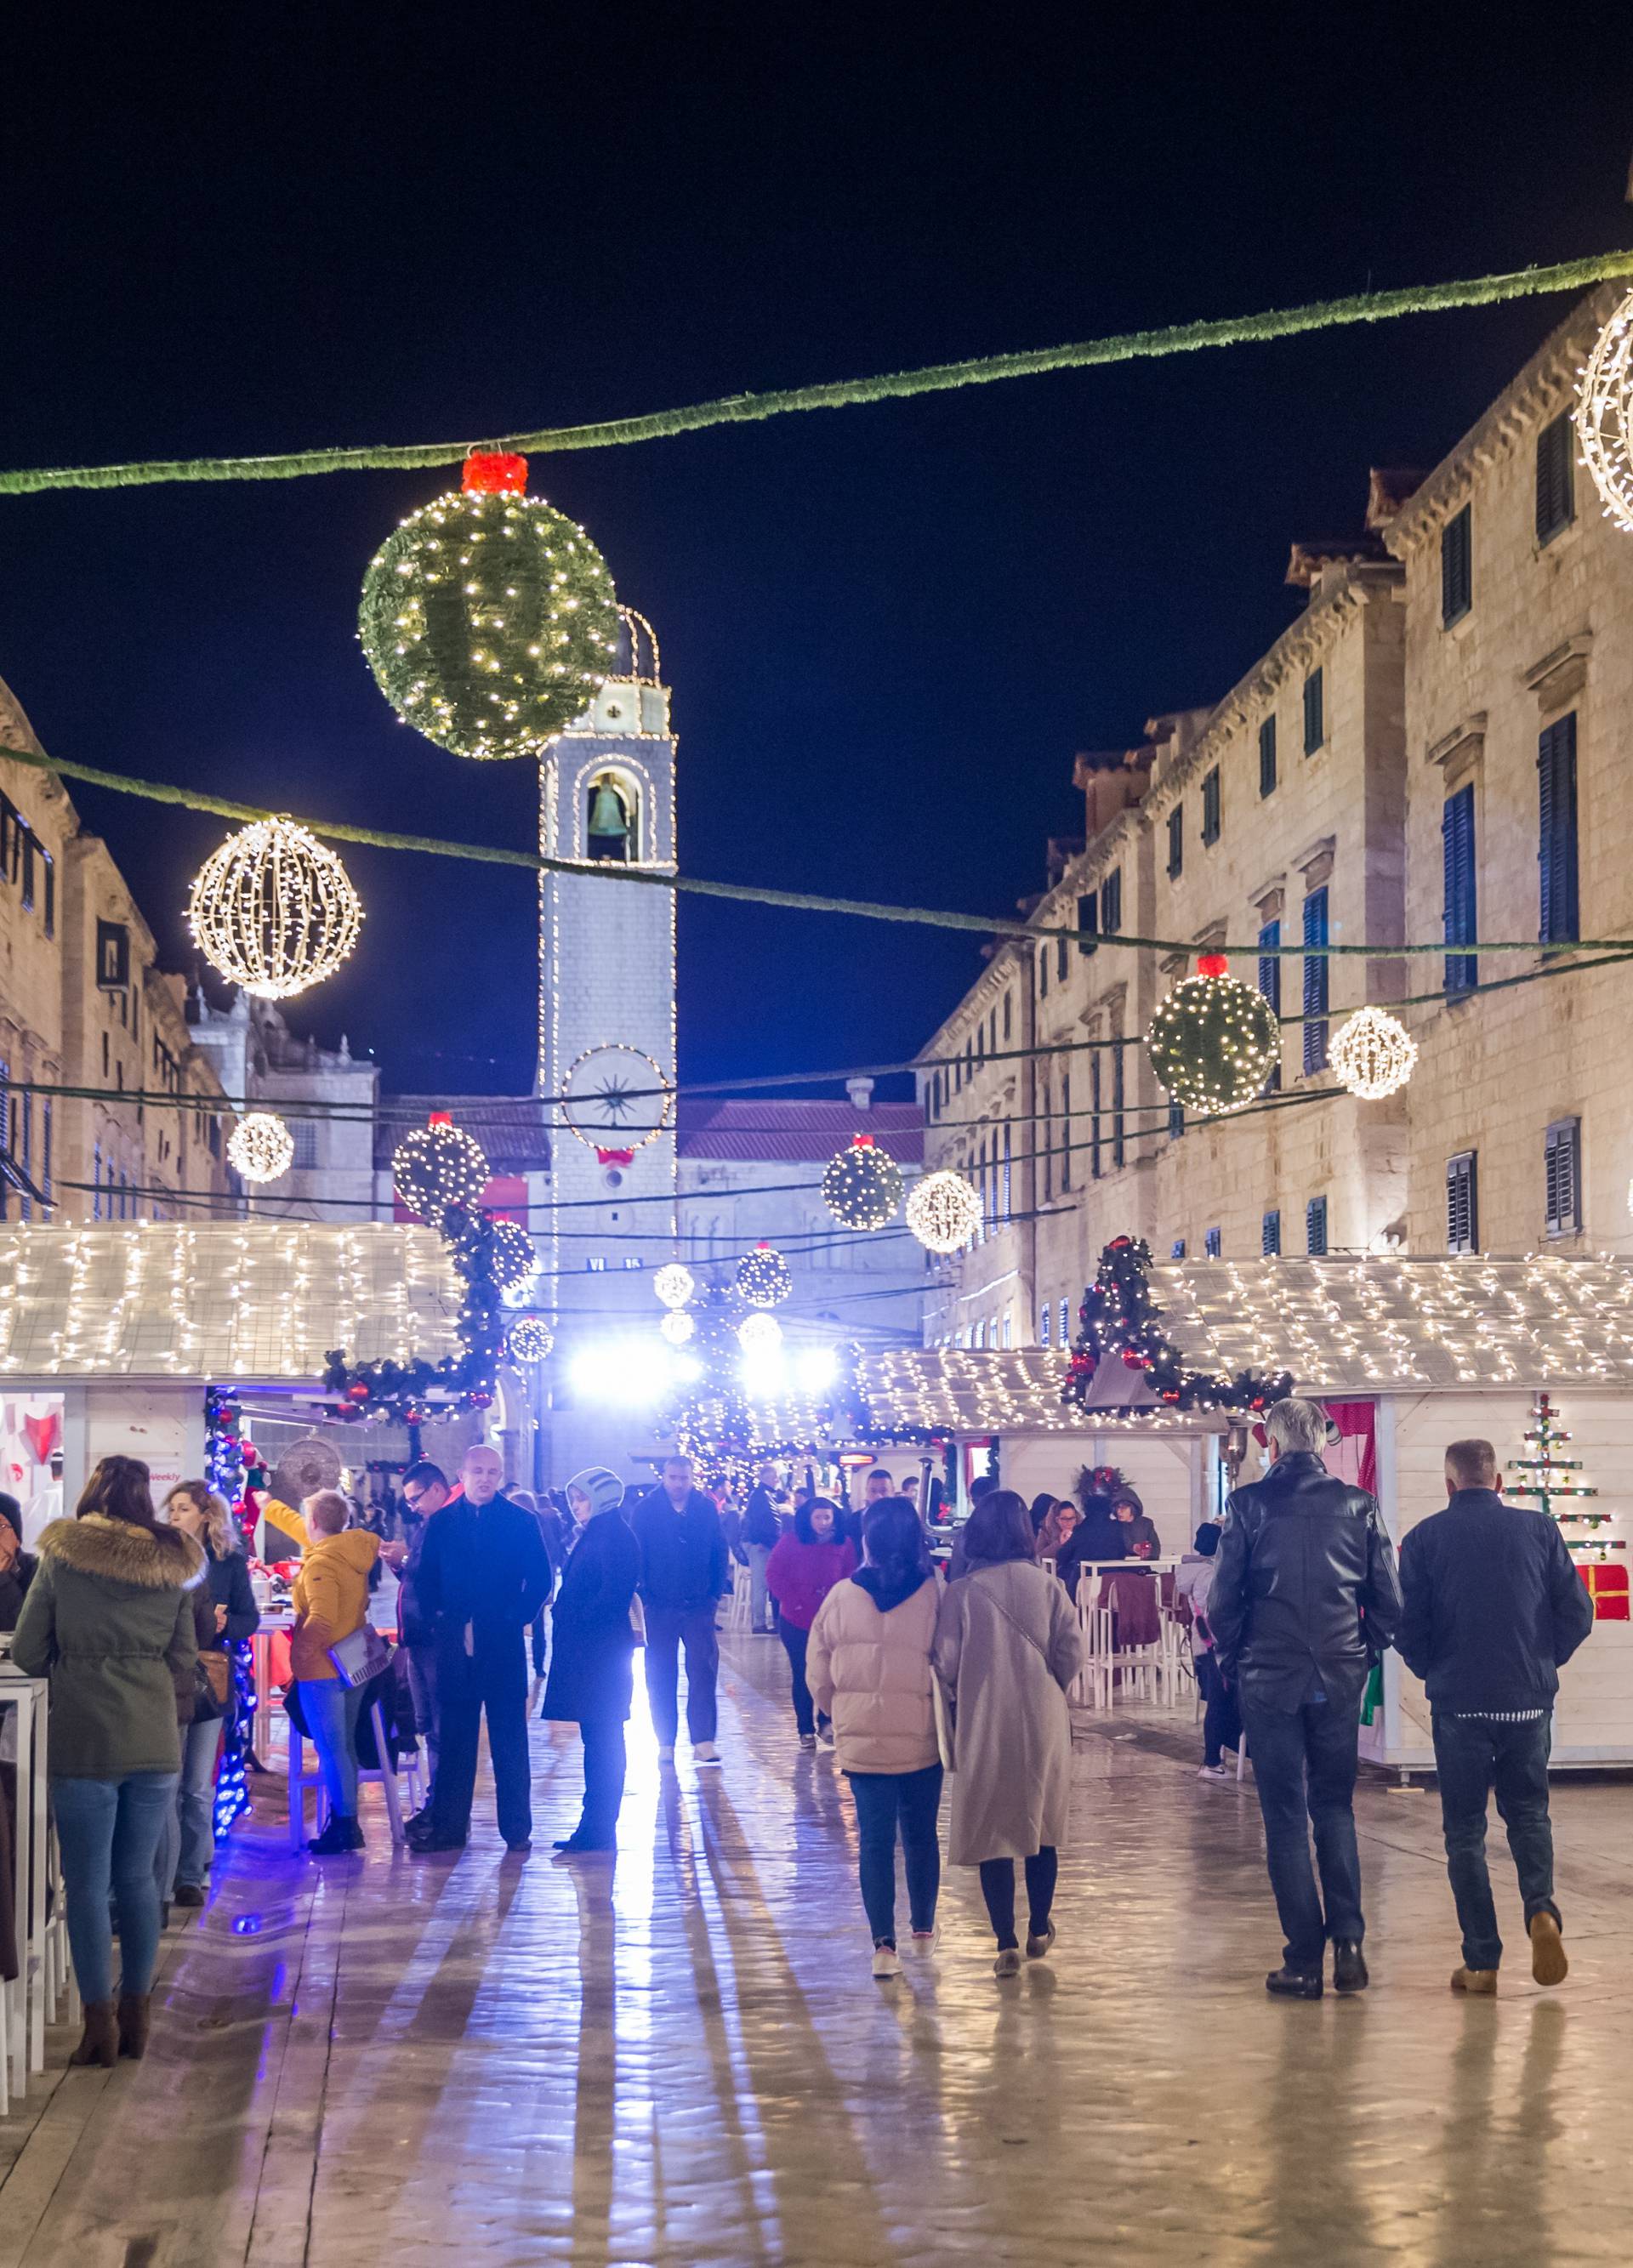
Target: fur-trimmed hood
x: 121, y: 1553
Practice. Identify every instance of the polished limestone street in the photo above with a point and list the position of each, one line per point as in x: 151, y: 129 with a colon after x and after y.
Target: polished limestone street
x: 493, y: 2059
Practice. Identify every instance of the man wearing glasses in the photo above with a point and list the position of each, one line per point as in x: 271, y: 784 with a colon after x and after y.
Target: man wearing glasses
x: 424, y: 1493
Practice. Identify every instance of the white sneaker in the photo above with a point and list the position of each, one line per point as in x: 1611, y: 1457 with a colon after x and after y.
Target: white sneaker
x: 926, y: 1941
x: 1212, y: 1772
x: 705, y: 1753
x: 886, y: 1962
x: 666, y: 1752
x: 824, y: 1739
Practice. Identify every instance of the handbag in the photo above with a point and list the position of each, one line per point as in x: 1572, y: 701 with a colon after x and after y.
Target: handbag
x: 361, y: 1655
x: 217, y: 1668
x: 944, y: 1722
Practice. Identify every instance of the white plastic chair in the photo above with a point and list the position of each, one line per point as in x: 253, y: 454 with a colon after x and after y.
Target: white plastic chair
x: 738, y: 1615
x: 1092, y: 1688
x: 300, y: 1780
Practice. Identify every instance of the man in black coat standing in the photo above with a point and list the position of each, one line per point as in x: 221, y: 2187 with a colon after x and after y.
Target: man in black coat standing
x: 1304, y: 1600
x: 592, y: 1643
x: 483, y: 1575
x: 684, y: 1572
x: 1494, y: 1605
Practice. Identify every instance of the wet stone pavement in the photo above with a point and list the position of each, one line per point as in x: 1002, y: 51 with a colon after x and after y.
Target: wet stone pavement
x: 492, y: 2060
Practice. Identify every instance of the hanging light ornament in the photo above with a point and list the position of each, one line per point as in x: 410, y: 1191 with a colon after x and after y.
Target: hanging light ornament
x: 489, y: 619
x: 531, y: 1338
x: 260, y: 1148
x: 944, y: 1212
x: 515, y: 1259
x: 273, y: 909
x: 677, y: 1326
x: 760, y: 1333
x: 1373, y: 1054
x: 862, y: 1186
x: 1604, y: 416
x: 763, y: 1278
x: 437, y: 1169
x: 674, y: 1285
x: 1214, y: 1040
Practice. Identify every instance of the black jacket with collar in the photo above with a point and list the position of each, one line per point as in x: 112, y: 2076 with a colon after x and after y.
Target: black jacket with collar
x: 1494, y: 1605
x: 683, y: 1554
x: 593, y: 1640
x: 1305, y: 1586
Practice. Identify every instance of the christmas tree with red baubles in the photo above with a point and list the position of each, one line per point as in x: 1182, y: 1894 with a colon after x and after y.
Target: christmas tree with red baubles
x: 1553, y: 1482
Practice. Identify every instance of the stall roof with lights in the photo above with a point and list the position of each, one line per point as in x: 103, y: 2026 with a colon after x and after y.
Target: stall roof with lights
x: 252, y: 1300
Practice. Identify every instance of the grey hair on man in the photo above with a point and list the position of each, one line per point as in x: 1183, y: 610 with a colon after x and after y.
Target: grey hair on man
x: 1296, y: 1426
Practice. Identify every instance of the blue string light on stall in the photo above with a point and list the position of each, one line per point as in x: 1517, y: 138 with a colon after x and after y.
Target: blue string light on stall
x: 226, y: 1469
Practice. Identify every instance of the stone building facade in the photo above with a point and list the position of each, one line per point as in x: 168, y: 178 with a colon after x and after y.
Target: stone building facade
x: 1432, y: 749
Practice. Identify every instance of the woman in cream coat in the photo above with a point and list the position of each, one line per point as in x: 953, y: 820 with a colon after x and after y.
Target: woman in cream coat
x: 868, y: 1665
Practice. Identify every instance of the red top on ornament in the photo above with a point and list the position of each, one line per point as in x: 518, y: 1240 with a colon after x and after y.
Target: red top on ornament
x: 494, y: 472
x: 1212, y: 964
x: 861, y: 1142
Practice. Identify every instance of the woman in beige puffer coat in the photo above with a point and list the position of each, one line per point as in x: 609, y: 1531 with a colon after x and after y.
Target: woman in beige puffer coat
x: 868, y: 1664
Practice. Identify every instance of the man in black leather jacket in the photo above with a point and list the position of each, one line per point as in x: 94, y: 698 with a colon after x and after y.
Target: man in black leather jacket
x: 1306, y: 1598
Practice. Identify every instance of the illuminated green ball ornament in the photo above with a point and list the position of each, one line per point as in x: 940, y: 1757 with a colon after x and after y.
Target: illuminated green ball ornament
x: 489, y: 618
x: 1214, y: 1041
x: 862, y: 1186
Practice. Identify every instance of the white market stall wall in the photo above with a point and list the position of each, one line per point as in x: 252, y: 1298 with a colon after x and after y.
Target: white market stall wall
x: 1594, y: 1722
x: 1171, y: 1471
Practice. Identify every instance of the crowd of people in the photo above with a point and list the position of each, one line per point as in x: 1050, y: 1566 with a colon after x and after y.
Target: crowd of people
x: 909, y: 1680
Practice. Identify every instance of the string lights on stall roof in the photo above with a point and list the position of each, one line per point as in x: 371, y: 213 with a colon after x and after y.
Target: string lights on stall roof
x: 1372, y: 1055
x: 260, y: 1148
x: 274, y: 910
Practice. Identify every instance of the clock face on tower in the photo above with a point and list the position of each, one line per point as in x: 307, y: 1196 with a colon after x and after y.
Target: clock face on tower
x: 616, y: 1098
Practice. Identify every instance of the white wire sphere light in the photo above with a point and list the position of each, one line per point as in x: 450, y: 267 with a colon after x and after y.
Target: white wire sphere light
x: 260, y: 1148
x: 674, y: 1285
x: 531, y: 1338
x: 273, y: 909
x: 1372, y: 1054
x: 760, y: 1333
x: 763, y: 1278
x: 677, y: 1326
x: 944, y: 1212
x: 1604, y: 416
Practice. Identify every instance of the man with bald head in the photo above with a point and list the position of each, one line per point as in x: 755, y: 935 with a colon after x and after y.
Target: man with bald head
x: 483, y: 1576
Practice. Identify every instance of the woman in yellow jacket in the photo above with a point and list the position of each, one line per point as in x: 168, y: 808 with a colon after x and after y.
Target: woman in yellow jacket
x: 331, y: 1601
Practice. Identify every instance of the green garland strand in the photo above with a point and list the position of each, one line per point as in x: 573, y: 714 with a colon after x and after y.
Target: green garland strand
x: 839, y: 394
x: 535, y: 862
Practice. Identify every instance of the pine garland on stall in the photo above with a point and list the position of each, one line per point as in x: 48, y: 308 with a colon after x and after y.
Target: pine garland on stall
x: 411, y: 1392
x: 1118, y: 1316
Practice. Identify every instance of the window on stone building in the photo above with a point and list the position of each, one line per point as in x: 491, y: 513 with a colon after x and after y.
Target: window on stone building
x: 1315, y: 715
x: 1456, y: 567
x: 1315, y: 1227
x: 1461, y: 889
x: 1267, y: 756
x: 23, y: 1140
x: 1062, y: 952
x: 1095, y: 1159
x: 1556, y: 503
x: 96, y: 1181
x: 1176, y: 1121
x: 1042, y: 972
x: 1046, y: 1322
x: 1065, y: 1130
x: 31, y: 860
x: 1270, y: 985
x: 1270, y: 1235
x: 1176, y: 841
x: 303, y: 1133
x: 1112, y: 903
x: 1119, y: 1145
x: 1556, y: 841
x: 1088, y: 923
x: 45, y: 1146
x: 1006, y: 1329
x: 1462, y: 1202
x: 48, y: 915
x: 215, y: 1138
x: 1213, y: 1244
x: 1065, y: 1327
x: 1047, y: 1141
x: 1562, y: 1161
x: 1007, y: 1018
x: 1316, y: 985
x: 1210, y: 806
x: 1175, y: 1250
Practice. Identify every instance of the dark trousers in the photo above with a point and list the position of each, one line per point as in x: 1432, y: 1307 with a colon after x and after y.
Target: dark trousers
x: 998, y: 1890
x: 887, y: 1803
x: 1473, y: 1756
x: 1304, y: 1766
x: 603, y: 1779
x: 1221, y: 1718
x: 467, y: 1685
x: 537, y: 1636
x: 668, y: 1630
x: 795, y: 1643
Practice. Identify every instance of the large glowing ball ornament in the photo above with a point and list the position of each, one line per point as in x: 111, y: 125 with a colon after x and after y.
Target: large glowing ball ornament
x: 862, y: 1186
x: 515, y: 1258
x: 1214, y: 1041
x: 530, y: 1339
x: 1604, y: 416
x: 437, y: 1170
x: 760, y: 1335
x: 489, y: 619
x: 1373, y: 1054
x: 674, y: 1285
x: 763, y: 1278
x: 677, y: 1326
x: 944, y: 1212
x: 260, y: 1148
x: 274, y: 910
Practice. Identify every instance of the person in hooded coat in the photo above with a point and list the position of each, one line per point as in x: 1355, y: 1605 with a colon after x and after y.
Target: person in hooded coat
x: 593, y: 1642
x: 1006, y: 1647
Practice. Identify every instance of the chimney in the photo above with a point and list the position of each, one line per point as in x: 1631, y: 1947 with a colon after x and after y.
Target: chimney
x: 860, y: 1092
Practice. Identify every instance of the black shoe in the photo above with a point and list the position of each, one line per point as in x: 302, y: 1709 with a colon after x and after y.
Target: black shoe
x: 1348, y: 1967
x: 520, y: 1849
x: 340, y: 1836
x: 1294, y: 1984
x: 189, y: 1894
x: 575, y: 1843
x: 426, y: 1846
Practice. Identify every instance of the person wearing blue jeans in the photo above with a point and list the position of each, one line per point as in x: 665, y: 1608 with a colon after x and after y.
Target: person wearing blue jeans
x: 108, y: 1831
x: 888, y: 1803
x: 1304, y: 1764
x: 331, y: 1711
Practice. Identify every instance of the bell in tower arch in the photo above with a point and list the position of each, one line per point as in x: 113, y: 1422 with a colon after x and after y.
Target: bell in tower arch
x: 611, y: 819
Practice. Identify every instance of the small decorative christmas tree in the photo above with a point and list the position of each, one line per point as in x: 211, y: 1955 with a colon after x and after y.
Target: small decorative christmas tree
x: 1119, y: 1318
x: 1547, y: 1478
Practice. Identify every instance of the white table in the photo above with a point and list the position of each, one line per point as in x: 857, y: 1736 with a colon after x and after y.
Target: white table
x: 27, y: 1696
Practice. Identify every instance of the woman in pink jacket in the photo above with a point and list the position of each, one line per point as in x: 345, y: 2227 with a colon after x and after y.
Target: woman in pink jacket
x: 869, y: 1666
x: 802, y: 1569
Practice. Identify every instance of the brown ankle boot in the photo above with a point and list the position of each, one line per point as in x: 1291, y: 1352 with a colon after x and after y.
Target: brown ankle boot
x: 133, y: 2007
x: 100, y: 2042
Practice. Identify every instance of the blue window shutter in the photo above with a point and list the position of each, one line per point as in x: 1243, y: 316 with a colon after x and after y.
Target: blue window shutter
x: 1556, y: 500
x: 1088, y: 930
x: 1213, y: 1244
x: 1456, y: 567
x: 1457, y: 837
x: 1562, y: 1174
x: 1462, y: 1202
x: 1112, y: 903
x: 1556, y: 834
x: 1270, y: 1235
x: 1316, y: 985
x: 1315, y: 1227
x: 1270, y: 985
x: 1176, y: 840
x: 1267, y: 756
x: 1315, y: 719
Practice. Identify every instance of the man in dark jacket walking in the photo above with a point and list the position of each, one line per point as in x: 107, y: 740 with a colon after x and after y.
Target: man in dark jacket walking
x: 1304, y: 1600
x: 684, y: 1572
x: 483, y: 1575
x: 761, y: 1533
x: 1494, y: 1605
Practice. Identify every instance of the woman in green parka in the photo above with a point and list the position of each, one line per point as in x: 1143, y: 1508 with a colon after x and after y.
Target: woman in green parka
x: 108, y: 1619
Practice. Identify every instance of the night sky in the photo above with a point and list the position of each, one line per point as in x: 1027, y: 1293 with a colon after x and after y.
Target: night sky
x: 887, y: 629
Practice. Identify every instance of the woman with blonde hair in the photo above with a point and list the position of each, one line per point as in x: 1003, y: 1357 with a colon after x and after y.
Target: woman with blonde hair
x: 188, y: 1849
x: 331, y: 1603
